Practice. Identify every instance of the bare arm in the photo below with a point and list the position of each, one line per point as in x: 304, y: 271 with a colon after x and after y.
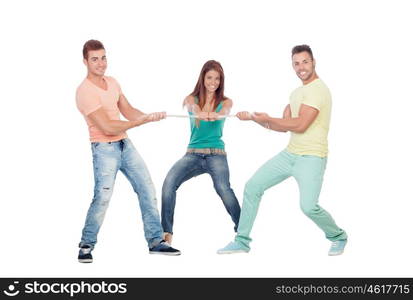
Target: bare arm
x: 286, y: 115
x: 306, y: 116
x: 287, y: 112
x: 263, y: 118
x: 226, y: 107
x: 114, y: 127
x: 127, y: 110
x: 191, y: 106
x: 189, y: 103
x: 225, y: 110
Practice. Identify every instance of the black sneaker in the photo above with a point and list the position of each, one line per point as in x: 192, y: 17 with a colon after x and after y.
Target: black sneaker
x: 85, y: 254
x: 164, y: 248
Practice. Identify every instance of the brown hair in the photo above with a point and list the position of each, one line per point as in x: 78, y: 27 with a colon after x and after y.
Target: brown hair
x: 302, y: 48
x: 91, y: 45
x: 200, y: 91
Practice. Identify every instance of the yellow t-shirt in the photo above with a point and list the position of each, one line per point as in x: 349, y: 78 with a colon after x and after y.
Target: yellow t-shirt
x: 314, y: 140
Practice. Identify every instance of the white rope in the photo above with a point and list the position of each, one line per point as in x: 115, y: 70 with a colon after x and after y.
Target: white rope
x: 194, y: 117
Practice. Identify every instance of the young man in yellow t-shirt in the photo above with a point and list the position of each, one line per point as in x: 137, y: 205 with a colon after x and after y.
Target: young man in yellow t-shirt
x: 307, y: 117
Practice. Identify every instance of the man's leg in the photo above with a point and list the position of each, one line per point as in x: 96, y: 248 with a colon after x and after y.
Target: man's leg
x: 309, y: 171
x: 271, y: 173
x: 106, y: 162
x: 217, y: 167
x: 138, y: 175
x: 183, y: 170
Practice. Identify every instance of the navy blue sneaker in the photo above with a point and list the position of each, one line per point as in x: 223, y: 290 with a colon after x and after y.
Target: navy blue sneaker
x: 164, y: 248
x: 85, y: 254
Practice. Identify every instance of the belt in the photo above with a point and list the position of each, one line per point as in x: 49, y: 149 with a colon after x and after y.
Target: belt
x: 112, y: 142
x: 206, y: 151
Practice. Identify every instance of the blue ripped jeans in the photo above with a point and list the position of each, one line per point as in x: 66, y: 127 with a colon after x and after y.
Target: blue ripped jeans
x: 191, y: 165
x: 108, y: 158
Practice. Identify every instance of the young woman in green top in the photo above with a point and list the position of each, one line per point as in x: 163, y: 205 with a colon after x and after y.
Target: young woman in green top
x: 207, y: 107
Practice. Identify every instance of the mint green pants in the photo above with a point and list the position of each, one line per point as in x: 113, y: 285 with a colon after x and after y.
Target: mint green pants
x: 308, y: 171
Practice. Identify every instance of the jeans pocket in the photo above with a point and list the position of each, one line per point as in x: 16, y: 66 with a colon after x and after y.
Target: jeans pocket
x: 104, y: 147
x: 316, y: 163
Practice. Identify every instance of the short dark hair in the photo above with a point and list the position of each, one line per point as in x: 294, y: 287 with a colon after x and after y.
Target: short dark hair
x: 302, y: 48
x: 91, y: 45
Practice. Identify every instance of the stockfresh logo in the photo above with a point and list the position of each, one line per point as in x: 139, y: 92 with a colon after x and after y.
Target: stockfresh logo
x: 71, y: 289
x: 11, y: 290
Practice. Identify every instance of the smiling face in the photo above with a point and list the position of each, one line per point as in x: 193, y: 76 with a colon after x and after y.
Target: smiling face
x: 211, y: 81
x: 96, y: 62
x: 304, y: 66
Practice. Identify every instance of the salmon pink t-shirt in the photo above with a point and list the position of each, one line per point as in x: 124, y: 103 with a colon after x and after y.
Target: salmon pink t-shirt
x: 90, y: 97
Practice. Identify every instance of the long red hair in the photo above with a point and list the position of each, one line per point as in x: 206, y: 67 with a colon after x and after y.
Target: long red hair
x: 200, y: 91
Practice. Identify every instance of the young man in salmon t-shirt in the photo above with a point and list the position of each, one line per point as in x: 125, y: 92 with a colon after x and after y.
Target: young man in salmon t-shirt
x: 100, y: 99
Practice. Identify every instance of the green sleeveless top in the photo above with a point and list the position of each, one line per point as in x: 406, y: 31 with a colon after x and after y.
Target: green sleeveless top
x: 208, y: 134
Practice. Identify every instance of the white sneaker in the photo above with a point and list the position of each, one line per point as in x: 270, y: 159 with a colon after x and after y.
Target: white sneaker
x: 337, y: 247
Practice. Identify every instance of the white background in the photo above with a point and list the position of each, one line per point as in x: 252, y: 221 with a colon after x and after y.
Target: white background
x: 156, y: 51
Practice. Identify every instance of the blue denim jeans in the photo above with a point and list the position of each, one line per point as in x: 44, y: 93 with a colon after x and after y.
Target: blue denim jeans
x: 191, y: 165
x: 108, y: 158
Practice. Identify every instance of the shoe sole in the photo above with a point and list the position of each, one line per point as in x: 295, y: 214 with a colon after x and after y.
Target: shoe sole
x: 85, y: 261
x: 232, y: 251
x: 165, y: 253
x: 335, y: 253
